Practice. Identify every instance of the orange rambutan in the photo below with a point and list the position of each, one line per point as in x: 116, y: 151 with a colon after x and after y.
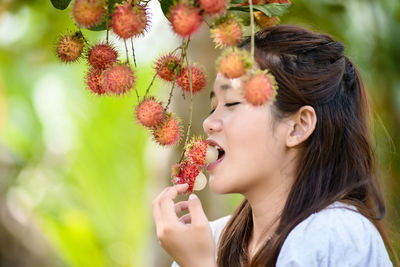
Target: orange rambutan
x: 199, y: 79
x: 150, y: 113
x: 260, y: 88
x: 168, y: 132
x: 185, y: 20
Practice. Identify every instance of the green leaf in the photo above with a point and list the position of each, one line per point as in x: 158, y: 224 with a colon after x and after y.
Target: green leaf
x: 271, y: 10
x: 60, y: 4
x: 99, y: 27
x: 166, y: 6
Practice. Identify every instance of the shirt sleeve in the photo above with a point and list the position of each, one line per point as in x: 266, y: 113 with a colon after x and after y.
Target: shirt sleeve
x: 334, y: 237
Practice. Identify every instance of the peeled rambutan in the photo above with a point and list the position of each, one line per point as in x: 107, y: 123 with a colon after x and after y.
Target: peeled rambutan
x: 185, y: 20
x: 199, y: 79
x: 94, y: 79
x: 70, y: 47
x: 260, y: 88
x: 196, y: 151
x: 167, y: 66
x: 234, y: 64
x: 150, y: 113
x: 129, y: 21
x: 102, y: 56
x: 187, y: 173
x: 168, y: 132
x: 89, y: 13
x: 214, y: 6
x: 227, y: 32
x: 119, y: 79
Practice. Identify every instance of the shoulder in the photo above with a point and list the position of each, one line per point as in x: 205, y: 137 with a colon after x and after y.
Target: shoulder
x: 217, y: 226
x: 336, y: 236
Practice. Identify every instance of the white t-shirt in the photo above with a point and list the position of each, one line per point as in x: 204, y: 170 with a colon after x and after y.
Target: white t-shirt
x: 336, y: 236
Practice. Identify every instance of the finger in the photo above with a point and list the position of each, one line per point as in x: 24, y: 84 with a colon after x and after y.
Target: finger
x: 167, y: 205
x: 156, y: 206
x: 185, y: 219
x: 196, y: 211
x: 181, y: 206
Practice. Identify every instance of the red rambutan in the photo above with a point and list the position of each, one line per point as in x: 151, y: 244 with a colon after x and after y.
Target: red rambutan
x: 169, y: 67
x: 70, y: 47
x: 94, y: 80
x: 89, y: 13
x: 227, y: 32
x: 150, y: 113
x: 234, y: 64
x: 214, y: 6
x: 184, y: 19
x: 260, y: 88
x: 102, y: 56
x: 187, y: 173
x: 168, y: 132
x: 196, y: 151
x: 119, y: 79
x: 129, y: 21
x: 199, y: 79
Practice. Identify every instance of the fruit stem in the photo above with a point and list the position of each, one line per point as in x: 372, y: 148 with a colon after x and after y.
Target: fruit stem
x: 133, y: 53
x: 252, y: 29
x: 159, y: 69
x: 170, y: 93
x: 107, y: 20
x: 191, y: 102
x: 126, y: 51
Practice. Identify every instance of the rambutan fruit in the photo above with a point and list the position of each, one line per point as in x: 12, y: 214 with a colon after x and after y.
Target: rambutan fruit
x: 89, y: 13
x: 226, y: 32
x: 167, y: 67
x: 234, y: 64
x: 196, y: 151
x: 168, y: 132
x: 129, y: 21
x: 187, y: 173
x: 94, y: 79
x: 70, y: 47
x: 185, y: 20
x: 149, y: 112
x: 119, y: 79
x: 102, y: 56
x: 211, y: 154
x: 260, y: 88
x: 264, y: 21
x: 200, y: 182
x: 199, y: 80
x: 214, y: 6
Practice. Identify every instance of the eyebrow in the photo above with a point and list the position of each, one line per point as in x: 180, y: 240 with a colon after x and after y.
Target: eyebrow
x: 224, y: 87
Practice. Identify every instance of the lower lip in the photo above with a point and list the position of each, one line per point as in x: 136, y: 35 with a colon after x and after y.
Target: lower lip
x: 215, y: 163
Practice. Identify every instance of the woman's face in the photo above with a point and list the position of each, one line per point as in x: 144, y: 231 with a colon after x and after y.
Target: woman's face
x: 254, y: 153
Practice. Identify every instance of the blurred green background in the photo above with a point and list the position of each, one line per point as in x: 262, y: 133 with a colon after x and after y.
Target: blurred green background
x: 77, y: 174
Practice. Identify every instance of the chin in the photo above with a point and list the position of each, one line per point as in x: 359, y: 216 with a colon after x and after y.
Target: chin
x: 219, y: 186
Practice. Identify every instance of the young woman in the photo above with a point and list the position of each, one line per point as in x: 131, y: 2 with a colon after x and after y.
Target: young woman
x: 304, y: 164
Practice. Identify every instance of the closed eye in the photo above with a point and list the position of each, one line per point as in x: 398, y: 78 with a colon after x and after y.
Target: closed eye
x: 227, y: 105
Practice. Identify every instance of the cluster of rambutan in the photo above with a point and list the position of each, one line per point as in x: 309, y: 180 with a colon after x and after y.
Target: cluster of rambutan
x: 165, y: 127
x: 106, y: 74
x: 259, y: 86
x: 197, y: 154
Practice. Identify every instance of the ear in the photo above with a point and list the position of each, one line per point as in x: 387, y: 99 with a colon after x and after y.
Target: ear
x: 302, y: 125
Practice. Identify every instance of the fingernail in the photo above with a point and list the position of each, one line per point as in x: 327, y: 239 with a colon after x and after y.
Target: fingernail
x: 193, y: 196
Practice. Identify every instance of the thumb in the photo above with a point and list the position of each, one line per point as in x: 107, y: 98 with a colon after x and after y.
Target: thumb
x: 196, y: 211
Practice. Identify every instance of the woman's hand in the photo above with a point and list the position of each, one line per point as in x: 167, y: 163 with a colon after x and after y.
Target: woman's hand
x: 189, y: 244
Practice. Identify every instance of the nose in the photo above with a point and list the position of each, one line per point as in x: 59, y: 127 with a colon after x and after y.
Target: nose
x: 212, y: 124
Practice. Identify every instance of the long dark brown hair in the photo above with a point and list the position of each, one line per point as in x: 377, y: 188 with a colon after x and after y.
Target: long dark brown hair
x: 338, y: 161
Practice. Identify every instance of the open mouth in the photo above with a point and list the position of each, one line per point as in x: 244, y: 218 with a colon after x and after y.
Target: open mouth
x: 221, y: 152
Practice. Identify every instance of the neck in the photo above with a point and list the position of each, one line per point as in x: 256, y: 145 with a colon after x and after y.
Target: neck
x: 267, y: 203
